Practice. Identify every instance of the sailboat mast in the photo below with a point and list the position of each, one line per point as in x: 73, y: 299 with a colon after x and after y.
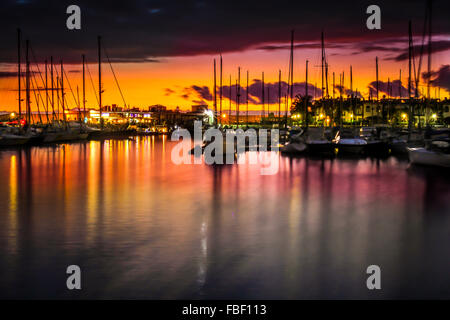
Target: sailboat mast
x: 322, y: 64
x: 292, y: 69
x: 246, y: 99
x: 326, y: 79
x: 400, y: 84
x: 341, y: 87
x: 238, y: 96
x: 409, y: 59
x: 389, y: 87
x: 84, y: 85
x: 306, y: 95
x: 52, y: 87
x: 334, y: 85
x: 429, y: 49
x: 79, y: 106
x: 215, y: 96
x: 62, y: 92
x: 279, y: 98
x: 220, y: 89
x: 46, y: 89
x: 262, y: 95
x: 18, y: 72
x: 351, y: 82
x: 27, y: 83
x: 334, y: 89
x: 99, y: 39
x: 410, y: 123
x: 376, y: 67
x: 229, y: 110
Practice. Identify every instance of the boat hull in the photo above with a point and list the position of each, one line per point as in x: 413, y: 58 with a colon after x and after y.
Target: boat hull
x: 326, y: 148
x: 293, y: 148
x: 351, y: 149
x: 422, y: 156
x: 351, y: 146
x: 12, y: 140
x: 377, y: 148
x: 400, y: 147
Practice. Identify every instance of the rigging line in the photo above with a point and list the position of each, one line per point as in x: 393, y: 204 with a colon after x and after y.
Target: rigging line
x: 115, y: 78
x: 92, y: 82
x: 416, y: 88
x: 423, y: 44
x: 58, y: 88
x: 36, y: 99
x: 40, y: 96
x: 70, y: 87
x: 36, y: 64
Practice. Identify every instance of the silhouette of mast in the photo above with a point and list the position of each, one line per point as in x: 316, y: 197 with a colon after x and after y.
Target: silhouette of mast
x: 19, y: 72
x: 220, y: 93
x: 99, y: 39
x: 238, y: 93
x: 215, y: 96
x: 247, y: 98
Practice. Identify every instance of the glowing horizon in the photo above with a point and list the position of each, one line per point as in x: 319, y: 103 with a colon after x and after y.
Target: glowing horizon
x: 146, y: 84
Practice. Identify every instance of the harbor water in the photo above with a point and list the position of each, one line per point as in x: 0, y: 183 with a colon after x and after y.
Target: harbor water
x: 141, y: 227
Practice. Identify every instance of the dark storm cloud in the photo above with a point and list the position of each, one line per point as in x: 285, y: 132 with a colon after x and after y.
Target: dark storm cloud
x: 142, y: 31
x: 203, y: 92
x: 8, y: 74
x: 384, y: 87
x: 440, y: 78
x: 436, y: 46
x: 346, y: 91
x: 196, y: 94
x: 316, y: 45
x: 12, y: 74
x: 168, y: 91
x: 271, y: 92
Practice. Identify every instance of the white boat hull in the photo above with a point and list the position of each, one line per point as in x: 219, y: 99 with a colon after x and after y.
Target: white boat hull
x: 352, y: 146
x: 426, y: 157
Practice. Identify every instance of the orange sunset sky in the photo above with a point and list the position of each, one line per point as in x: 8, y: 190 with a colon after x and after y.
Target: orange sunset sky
x: 179, y: 60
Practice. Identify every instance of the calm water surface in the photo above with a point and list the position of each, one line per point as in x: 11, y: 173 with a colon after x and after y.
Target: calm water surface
x: 140, y: 226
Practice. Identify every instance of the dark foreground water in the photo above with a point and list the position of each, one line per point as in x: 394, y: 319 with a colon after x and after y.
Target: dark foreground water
x: 140, y: 226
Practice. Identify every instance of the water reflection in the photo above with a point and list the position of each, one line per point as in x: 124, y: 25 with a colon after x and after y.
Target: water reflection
x: 140, y: 226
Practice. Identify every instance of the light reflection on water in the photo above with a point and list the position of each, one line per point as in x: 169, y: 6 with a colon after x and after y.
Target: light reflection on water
x: 141, y: 227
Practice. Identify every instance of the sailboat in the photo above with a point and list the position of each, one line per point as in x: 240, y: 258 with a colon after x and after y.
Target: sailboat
x: 318, y: 139
x: 436, y: 154
x: 348, y: 143
x: 10, y: 140
x: 296, y: 144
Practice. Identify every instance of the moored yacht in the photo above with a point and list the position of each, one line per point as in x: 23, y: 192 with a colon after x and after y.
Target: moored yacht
x: 349, y: 143
x: 318, y: 142
x: 437, y: 153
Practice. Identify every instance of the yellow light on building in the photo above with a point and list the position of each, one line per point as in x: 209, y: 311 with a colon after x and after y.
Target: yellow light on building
x: 403, y: 116
x: 434, y: 116
x: 12, y: 114
x: 224, y: 115
x: 321, y: 116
